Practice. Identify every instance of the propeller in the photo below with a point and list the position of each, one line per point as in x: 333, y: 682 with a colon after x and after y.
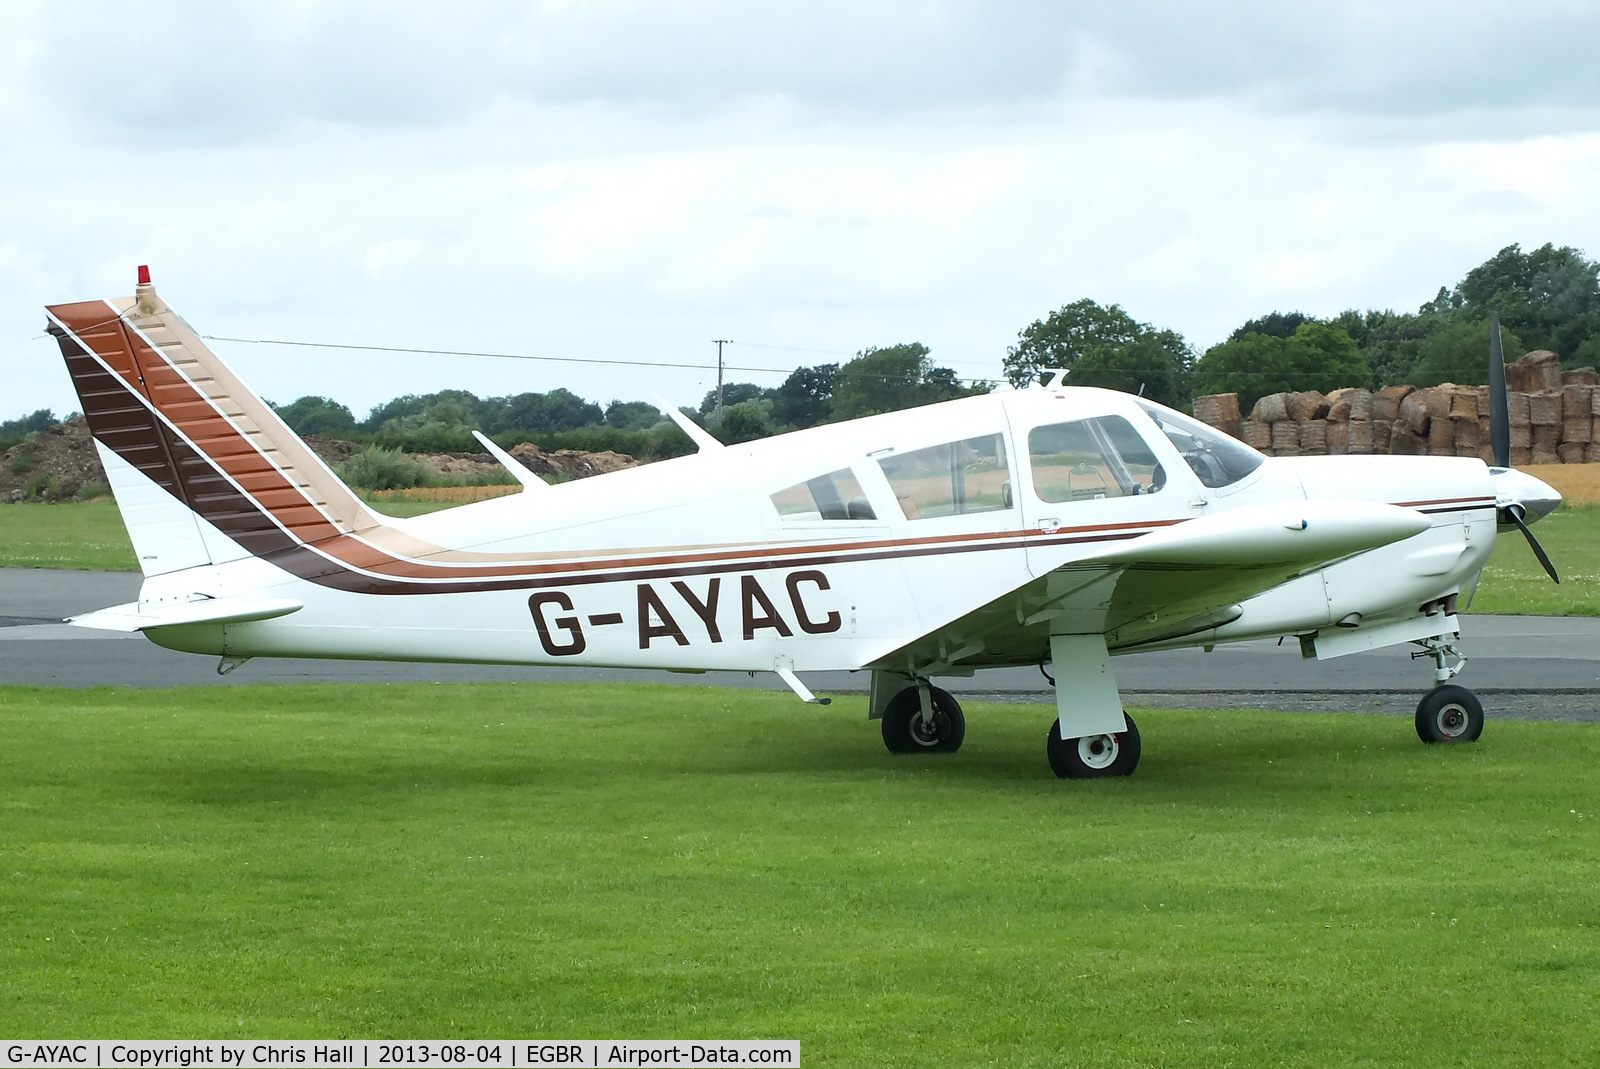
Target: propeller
x: 1516, y: 512
x: 1500, y: 441
x: 1499, y: 406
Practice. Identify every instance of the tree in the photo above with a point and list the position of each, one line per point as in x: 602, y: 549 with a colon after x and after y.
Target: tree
x: 1064, y: 336
x: 1535, y: 293
x: 318, y: 415
x: 732, y: 393
x: 806, y: 397
x: 1459, y: 352
x: 892, y: 378
x: 1275, y: 324
x: 1316, y: 357
x: 22, y: 428
x: 632, y: 415
x: 1155, y: 365
x: 743, y: 422
x: 1104, y: 347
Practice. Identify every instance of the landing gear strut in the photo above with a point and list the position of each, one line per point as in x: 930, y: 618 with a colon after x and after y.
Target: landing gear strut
x: 912, y: 725
x: 1447, y: 713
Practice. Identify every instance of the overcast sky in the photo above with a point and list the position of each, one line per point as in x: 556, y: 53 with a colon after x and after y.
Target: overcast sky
x: 628, y: 181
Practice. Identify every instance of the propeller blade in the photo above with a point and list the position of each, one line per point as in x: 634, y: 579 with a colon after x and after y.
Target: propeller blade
x: 1499, y: 409
x: 1515, y: 512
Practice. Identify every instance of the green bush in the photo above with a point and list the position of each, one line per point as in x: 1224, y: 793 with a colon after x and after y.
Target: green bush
x: 377, y: 468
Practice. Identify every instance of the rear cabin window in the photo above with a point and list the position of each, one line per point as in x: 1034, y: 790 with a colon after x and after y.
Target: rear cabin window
x: 834, y: 496
x: 951, y: 479
x: 1089, y: 459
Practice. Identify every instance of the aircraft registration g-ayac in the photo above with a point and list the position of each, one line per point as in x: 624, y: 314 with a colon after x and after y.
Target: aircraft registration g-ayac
x: 1049, y: 525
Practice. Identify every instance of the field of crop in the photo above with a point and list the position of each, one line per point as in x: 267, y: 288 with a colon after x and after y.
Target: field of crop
x: 618, y: 860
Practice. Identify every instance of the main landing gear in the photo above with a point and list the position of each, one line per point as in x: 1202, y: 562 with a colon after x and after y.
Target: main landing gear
x: 1093, y: 756
x: 923, y: 719
x: 1447, y: 713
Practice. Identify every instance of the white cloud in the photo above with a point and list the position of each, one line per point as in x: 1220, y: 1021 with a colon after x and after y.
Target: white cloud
x: 630, y: 181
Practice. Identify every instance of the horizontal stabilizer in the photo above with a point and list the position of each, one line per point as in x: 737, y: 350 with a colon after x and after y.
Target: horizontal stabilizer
x: 142, y: 616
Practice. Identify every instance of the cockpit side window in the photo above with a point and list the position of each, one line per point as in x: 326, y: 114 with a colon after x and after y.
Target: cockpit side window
x: 1218, y: 459
x: 951, y: 479
x: 834, y: 496
x: 1088, y: 459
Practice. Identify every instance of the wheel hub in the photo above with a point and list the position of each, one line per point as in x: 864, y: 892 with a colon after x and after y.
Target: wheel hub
x: 1098, y: 751
x: 1452, y: 721
x: 925, y: 732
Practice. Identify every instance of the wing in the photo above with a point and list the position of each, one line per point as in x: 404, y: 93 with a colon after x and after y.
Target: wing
x: 1176, y: 581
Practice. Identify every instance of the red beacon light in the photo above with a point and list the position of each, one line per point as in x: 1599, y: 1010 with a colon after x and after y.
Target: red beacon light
x: 144, y: 274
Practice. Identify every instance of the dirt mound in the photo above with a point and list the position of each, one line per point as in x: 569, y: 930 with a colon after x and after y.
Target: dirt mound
x: 570, y: 463
x: 57, y: 464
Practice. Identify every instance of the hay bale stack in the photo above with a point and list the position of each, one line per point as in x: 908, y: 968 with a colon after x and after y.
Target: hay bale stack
x: 1220, y: 410
x: 1463, y: 402
x: 1286, y: 438
x: 1351, y: 403
x: 1414, y: 415
x: 1362, y: 436
x: 1537, y: 372
x: 1442, y: 438
x: 1257, y: 434
x: 1402, y: 443
x: 1386, y: 402
x: 1272, y: 408
x: 1572, y: 452
x: 1382, y: 433
x: 1468, y: 435
x: 1544, y: 409
x: 1313, y: 437
x: 1577, y: 407
x: 1580, y: 376
x: 1305, y: 405
x: 1338, y: 435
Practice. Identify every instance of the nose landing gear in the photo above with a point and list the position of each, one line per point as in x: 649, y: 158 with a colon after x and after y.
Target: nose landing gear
x: 1447, y: 713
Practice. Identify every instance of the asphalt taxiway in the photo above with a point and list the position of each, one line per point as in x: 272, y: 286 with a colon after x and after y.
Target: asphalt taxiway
x: 1521, y: 666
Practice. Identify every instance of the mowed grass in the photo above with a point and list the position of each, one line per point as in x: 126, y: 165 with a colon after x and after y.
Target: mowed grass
x: 615, y: 860
x: 1514, y: 582
x: 77, y: 535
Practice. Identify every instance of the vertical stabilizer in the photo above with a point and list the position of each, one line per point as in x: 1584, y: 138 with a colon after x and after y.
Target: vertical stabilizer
x: 203, y: 469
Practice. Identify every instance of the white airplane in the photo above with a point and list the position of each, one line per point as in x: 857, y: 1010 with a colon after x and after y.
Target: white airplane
x: 1050, y: 525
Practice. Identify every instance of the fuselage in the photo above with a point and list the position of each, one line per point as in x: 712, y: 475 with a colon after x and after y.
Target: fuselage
x: 836, y: 547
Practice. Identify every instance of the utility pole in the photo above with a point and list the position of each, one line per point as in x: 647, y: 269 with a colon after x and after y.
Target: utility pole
x: 720, y: 343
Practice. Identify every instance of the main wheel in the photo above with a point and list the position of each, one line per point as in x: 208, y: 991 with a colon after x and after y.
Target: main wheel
x: 905, y: 732
x: 1094, y: 756
x: 1449, y: 713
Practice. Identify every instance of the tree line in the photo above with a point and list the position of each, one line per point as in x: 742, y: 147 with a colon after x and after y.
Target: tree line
x: 1546, y: 299
x: 880, y: 379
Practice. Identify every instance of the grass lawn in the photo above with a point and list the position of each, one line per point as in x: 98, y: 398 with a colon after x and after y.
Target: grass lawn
x: 79, y: 534
x: 1513, y: 582
x: 616, y: 860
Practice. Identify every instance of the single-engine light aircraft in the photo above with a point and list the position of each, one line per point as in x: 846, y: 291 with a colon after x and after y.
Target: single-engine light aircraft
x: 1051, y: 525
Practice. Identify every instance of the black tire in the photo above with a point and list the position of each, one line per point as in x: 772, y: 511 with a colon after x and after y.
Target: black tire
x: 1094, y: 756
x: 1449, y: 713
x: 902, y: 723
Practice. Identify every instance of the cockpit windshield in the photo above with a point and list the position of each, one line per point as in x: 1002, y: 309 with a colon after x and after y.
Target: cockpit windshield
x: 1217, y: 458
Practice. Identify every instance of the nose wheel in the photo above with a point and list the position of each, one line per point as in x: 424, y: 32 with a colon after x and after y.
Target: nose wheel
x: 1449, y: 713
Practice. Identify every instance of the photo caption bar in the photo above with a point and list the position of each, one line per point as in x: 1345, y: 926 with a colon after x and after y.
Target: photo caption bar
x: 401, y: 1054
